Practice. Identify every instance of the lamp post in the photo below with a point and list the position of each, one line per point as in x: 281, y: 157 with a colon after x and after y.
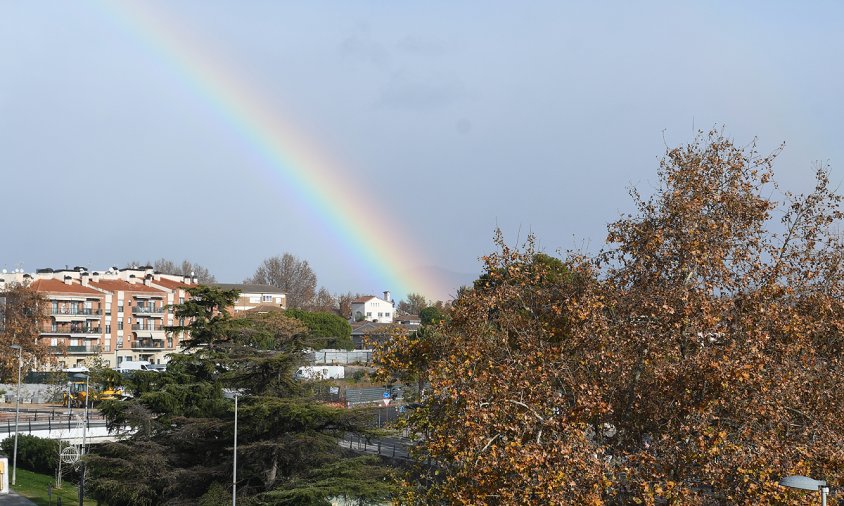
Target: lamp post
x: 806, y: 483
x: 234, y: 452
x: 84, y: 439
x: 234, y: 395
x: 17, y: 413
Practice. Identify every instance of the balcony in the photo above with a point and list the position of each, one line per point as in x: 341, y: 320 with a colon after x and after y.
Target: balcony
x: 147, y: 328
x: 147, y: 344
x: 74, y: 350
x: 147, y: 310
x: 71, y: 329
x: 75, y: 311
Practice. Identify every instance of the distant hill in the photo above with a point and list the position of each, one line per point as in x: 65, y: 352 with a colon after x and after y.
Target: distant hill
x: 448, y: 281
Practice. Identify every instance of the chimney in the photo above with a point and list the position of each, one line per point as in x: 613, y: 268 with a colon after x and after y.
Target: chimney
x: 96, y: 276
x: 68, y: 280
x: 147, y: 279
x: 132, y: 279
x: 84, y: 278
x: 387, y: 296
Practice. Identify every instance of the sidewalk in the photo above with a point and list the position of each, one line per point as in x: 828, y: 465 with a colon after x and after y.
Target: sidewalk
x: 13, y: 499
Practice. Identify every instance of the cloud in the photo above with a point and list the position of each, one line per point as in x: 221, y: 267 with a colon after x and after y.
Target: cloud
x: 362, y: 47
x: 409, y: 92
x: 419, y: 45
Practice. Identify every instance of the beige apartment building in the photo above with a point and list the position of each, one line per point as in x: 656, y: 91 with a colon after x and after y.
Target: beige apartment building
x: 115, y: 315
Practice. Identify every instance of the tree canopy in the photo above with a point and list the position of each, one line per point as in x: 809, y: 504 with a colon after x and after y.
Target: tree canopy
x: 326, y: 330
x: 293, y: 276
x: 22, y: 311
x: 181, y: 450
x: 696, y: 360
x: 183, y: 268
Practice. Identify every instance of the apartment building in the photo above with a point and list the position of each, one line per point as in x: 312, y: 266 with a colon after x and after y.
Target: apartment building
x: 115, y: 314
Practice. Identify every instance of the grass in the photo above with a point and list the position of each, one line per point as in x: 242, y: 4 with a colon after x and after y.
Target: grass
x: 33, y: 486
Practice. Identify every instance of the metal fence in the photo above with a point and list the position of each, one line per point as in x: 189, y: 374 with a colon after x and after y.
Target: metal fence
x: 341, y: 357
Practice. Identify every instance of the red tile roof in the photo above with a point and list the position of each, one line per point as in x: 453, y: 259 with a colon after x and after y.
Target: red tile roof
x: 58, y: 286
x: 113, y: 285
x: 171, y: 284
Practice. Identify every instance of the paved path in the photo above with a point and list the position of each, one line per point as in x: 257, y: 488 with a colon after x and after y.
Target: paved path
x: 13, y: 499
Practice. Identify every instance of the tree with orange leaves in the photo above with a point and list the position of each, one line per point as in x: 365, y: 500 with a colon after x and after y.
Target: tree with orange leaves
x: 696, y: 360
x: 21, y: 313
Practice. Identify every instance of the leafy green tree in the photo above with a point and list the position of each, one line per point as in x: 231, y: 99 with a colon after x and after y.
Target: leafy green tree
x: 37, y: 454
x: 204, y: 315
x: 181, y: 449
x: 431, y: 315
x: 326, y: 330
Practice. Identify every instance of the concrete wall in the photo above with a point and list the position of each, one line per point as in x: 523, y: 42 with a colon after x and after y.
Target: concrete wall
x: 31, y: 393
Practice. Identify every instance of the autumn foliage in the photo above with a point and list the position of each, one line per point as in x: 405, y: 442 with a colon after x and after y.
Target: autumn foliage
x: 696, y: 360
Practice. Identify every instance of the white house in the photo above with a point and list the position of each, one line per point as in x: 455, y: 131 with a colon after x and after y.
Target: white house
x: 372, y: 309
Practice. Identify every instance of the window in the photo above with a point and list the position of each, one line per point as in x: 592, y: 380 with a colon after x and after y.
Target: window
x: 368, y: 313
x: 266, y: 298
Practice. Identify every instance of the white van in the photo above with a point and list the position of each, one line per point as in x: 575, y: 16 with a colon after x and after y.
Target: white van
x: 321, y: 372
x: 134, y: 365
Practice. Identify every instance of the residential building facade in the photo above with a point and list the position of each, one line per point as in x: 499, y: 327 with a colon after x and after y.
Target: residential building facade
x: 255, y: 297
x: 113, y: 315
x: 373, y: 309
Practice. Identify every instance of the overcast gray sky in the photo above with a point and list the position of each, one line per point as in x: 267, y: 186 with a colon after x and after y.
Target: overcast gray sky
x: 453, y: 118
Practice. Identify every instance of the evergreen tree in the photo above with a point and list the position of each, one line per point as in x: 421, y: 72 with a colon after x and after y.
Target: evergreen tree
x: 181, y: 448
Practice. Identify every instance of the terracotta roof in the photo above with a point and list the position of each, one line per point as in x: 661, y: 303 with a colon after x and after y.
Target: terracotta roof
x: 58, y: 286
x: 171, y: 283
x: 113, y: 285
x: 265, y: 308
x: 249, y: 288
x: 364, y: 299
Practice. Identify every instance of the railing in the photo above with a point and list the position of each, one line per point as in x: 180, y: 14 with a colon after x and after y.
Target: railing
x: 138, y: 326
x: 75, y: 349
x: 50, y: 420
x: 71, y: 330
x: 146, y: 344
x: 146, y: 310
x: 73, y: 311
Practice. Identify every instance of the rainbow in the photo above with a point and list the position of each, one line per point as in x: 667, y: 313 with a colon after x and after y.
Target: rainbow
x: 297, y: 164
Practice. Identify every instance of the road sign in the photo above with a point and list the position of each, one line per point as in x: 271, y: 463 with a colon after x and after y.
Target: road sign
x: 386, y: 394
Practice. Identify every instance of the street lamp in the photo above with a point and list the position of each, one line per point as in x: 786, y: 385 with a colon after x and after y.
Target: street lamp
x: 806, y: 483
x: 234, y: 394
x: 84, y: 438
x: 17, y: 412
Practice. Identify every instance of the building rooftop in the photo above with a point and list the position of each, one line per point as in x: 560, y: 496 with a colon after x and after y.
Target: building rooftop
x: 171, y: 284
x: 113, y: 285
x: 248, y: 288
x: 58, y: 286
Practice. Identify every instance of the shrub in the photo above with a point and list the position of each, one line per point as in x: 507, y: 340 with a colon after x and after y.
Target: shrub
x: 36, y: 454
